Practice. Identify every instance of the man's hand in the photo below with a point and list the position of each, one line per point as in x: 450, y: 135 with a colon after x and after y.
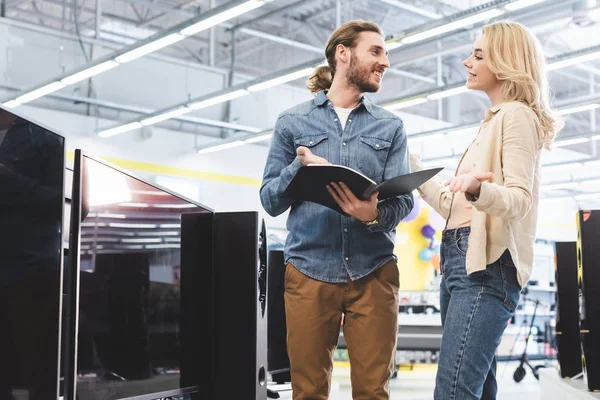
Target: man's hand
x: 363, y: 210
x: 470, y: 183
x: 307, y: 157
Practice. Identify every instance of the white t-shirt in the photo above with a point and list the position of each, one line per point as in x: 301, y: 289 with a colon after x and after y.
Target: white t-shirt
x: 343, y: 114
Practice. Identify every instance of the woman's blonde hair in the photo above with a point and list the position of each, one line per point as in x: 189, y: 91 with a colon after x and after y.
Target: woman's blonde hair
x: 515, y: 56
x: 347, y: 35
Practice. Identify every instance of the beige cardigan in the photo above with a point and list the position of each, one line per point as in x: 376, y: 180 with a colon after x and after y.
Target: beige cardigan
x: 509, y: 144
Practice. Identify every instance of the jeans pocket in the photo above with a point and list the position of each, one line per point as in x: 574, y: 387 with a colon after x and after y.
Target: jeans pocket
x: 461, y: 243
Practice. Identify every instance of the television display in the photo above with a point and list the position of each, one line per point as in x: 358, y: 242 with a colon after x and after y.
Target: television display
x: 127, y: 285
x: 32, y: 162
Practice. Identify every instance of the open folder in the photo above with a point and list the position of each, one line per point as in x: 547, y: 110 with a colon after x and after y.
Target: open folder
x: 309, y: 184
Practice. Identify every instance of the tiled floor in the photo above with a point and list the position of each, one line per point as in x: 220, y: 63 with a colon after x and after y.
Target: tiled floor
x: 419, y: 384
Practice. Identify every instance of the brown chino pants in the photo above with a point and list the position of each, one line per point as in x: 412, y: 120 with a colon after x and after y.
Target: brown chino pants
x: 313, y: 316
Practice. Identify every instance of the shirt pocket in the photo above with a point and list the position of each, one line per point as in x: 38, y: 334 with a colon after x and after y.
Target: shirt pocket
x: 373, y: 153
x: 318, y: 144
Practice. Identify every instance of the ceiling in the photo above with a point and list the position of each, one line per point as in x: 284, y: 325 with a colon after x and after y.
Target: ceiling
x: 285, y: 33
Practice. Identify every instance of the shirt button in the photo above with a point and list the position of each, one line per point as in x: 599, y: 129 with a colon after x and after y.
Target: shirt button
x: 349, y: 120
x: 345, y: 229
x: 344, y: 143
x: 377, y: 145
x: 335, y: 120
x: 311, y: 142
x: 346, y: 258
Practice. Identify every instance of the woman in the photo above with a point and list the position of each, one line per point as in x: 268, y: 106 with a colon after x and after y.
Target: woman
x: 491, y: 208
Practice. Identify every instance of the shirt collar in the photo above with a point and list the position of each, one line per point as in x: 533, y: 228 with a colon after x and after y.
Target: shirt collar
x: 321, y: 99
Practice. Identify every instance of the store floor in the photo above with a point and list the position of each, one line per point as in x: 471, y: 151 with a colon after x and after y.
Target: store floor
x: 419, y: 383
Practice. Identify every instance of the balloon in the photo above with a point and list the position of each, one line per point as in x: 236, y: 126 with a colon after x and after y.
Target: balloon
x: 435, y: 260
x: 428, y: 231
x: 436, y: 221
x: 414, y: 213
x: 426, y: 255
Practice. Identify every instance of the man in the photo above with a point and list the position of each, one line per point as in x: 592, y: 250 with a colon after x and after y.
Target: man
x: 341, y: 264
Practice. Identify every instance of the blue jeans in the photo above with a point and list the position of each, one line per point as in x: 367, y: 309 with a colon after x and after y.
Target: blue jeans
x: 475, y: 311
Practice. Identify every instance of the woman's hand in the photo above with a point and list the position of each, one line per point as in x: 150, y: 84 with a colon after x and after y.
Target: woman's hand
x: 470, y: 182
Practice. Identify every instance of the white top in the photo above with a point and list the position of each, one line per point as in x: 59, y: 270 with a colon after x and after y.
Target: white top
x: 343, y: 114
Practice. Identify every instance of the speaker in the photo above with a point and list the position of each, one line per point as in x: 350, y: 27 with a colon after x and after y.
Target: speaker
x: 567, y: 310
x: 588, y: 268
x: 240, y: 314
x: 277, y: 355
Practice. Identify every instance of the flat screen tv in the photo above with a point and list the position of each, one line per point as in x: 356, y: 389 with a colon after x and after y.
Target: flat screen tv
x: 32, y: 162
x: 125, y: 293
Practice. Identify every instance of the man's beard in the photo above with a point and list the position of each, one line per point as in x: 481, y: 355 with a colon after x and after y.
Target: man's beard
x: 358, y: 76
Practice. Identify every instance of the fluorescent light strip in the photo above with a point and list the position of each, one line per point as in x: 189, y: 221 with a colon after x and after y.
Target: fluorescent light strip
x: 447, y: 93
x: 165, y: 116
x: 219, y: 99
x: 572, y: 110
x: 109, y: 215
x: 142, y: 240
x: 557, y: 186
x: 162, y: 246
x: 41, y: 92
x: 574, y: 61
x: 222, y: 17
x: 258, y: 138
x: 281, y: 80
x: 562, y: 167
x: 164, y: 233
x: 88, y: 73
x: 219, y: 147
x: 568, y: 142
x: 170, y: 226
x: 394, y: 45
x: 120, y: 129
x: 149, y: 48
x: 406, y: 103
x: 517, y: 5
x: 133, y: 226
x: 138, y: 52
x: 419, y: 138
x: 11, y: 104
x: 452, y: 26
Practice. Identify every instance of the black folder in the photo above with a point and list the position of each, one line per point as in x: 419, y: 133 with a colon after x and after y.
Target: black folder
x: 309, y: 184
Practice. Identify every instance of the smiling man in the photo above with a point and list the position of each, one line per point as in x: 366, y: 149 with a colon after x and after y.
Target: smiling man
x: 341, y: 265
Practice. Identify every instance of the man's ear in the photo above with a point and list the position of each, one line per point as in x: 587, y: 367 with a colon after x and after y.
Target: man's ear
x: 342, y: 53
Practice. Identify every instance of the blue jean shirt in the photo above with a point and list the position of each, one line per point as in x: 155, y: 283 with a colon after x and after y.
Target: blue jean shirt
x: 322, y: 243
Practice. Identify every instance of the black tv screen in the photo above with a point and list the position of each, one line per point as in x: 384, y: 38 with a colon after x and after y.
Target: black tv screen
x: 130, y: 304
x: 32, y: 160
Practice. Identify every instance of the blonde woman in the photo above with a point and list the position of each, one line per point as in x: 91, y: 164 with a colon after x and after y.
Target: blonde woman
x: 491, y: 206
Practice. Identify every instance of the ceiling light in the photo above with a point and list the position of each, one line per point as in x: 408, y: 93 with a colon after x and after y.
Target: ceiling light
x: 452, y: 26
x: 218, y: 99
x: 517, y: 5
x: 89, y: 72
x: 149, y: 48
x: 223, y: 146
x: 120, y: 129
x: 406, y: 103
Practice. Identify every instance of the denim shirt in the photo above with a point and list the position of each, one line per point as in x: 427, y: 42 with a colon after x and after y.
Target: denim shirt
x: 322, y: 243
